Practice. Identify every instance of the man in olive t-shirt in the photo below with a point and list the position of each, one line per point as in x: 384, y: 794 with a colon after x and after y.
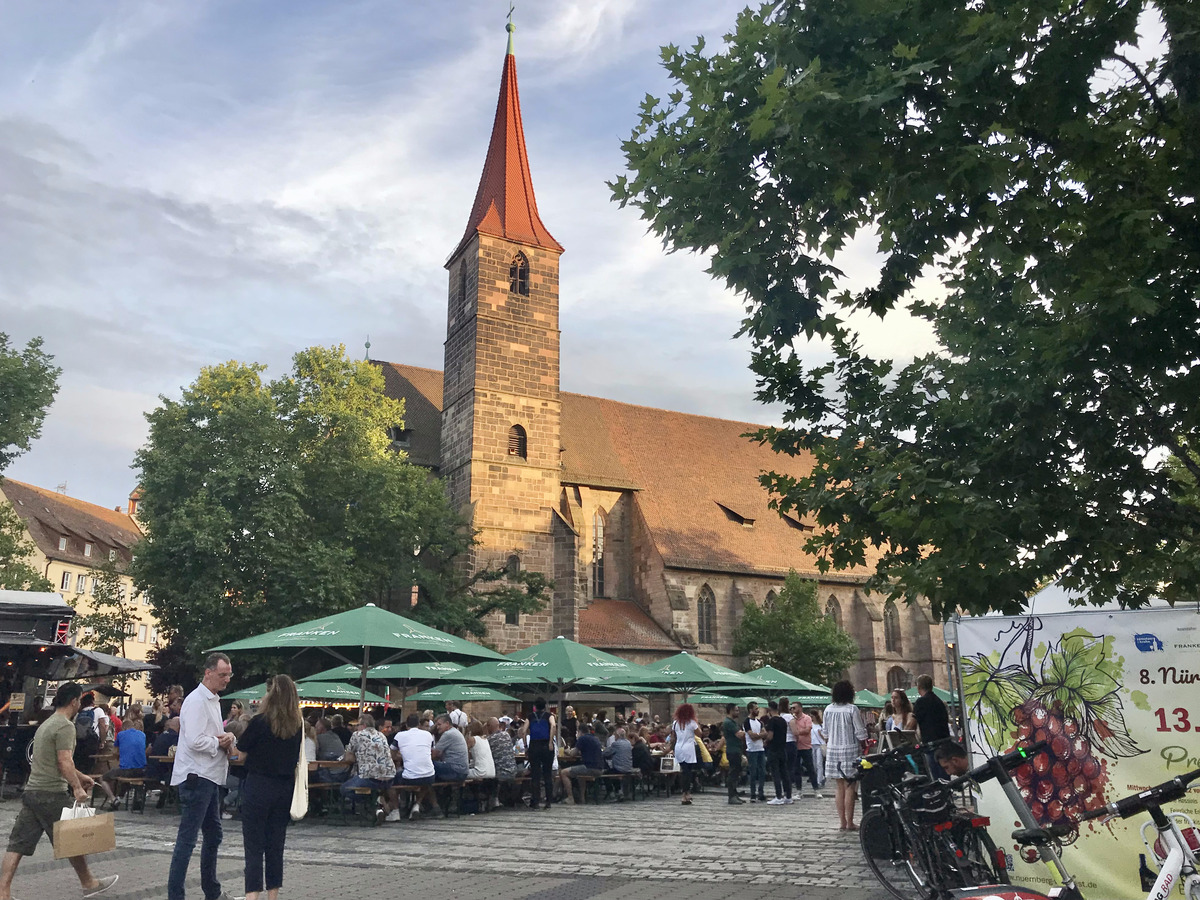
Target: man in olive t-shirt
x: 51, y: 771
x: 735, y: 746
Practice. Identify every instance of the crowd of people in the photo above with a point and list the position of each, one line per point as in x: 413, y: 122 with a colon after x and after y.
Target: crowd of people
x: 188, y: 743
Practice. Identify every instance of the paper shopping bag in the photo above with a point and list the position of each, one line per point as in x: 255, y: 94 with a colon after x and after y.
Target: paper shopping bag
x: 84, y: 836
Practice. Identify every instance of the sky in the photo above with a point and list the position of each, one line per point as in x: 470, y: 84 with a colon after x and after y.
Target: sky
x: 187, y: 183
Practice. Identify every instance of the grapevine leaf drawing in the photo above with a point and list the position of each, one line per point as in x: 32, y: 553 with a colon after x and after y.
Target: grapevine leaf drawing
x: 991, y: 693
x: 1108, y: 731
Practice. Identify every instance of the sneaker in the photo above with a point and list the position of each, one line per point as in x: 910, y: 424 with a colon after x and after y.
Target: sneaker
x: 788, y: 800
x: 778, y: 801
x: 103, y: 885
x: 225, y: 817
x: 817, y: 795
x: 753, y: 799
x: 393, y: 816
x: 415, y: 812
x: 734, y: 801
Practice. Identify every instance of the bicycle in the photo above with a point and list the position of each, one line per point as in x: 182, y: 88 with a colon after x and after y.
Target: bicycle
x: 918, y: 845
x: 1173, y: 849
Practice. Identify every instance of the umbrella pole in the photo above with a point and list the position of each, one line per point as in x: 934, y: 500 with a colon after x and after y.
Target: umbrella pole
x: 362, y: 685
x: 558, y: 719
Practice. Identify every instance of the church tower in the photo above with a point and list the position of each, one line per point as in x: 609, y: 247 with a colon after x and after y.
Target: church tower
x: 500, y: 415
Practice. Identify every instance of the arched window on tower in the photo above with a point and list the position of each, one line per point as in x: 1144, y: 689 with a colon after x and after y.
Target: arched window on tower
x: 833, y: 610
x: 518, y: 444
x: 769, y: 603
x: 462, y: 287
x: 897, y: 678
x: 518, y: 275
x: 706, y: 617
x: 598, y: 555
x: 891, y: 628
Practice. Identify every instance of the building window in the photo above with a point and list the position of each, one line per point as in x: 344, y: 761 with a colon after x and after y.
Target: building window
x: 891, y: 628
x: 462, y: 287
x: 141, y: 634
x: 145, y: 599
x: 706, y: 616
x: 65, y: 584
x: 598, y: 556
x: 92, y: 587
x: 833, y: 610
x: 512, y: 566
x: 400, y: 435
x: 512, y: 617
x: 769, y: 603
x: 81, y: 584
x: 130, y: 630
x: 62, y: 543
x: 518, y: 275
x: 154, y: 635
x: 897, y: 678
x: 518, y: 443
x: 87, y: 549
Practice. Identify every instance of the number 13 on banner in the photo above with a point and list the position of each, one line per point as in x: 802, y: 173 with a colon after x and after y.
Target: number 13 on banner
x: 1182, y: 723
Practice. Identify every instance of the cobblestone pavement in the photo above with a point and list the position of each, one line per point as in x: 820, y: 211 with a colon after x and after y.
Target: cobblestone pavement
x: 604, y: 852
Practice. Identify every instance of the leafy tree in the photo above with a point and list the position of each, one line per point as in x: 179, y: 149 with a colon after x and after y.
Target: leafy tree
x: 177, y: 664
x: 111, y: 612
x: 28, y: 383
x: 794, y: 634
x: 1038, y: 162
x: 267, y: 504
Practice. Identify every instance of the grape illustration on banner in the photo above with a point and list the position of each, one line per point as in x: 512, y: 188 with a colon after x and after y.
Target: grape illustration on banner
x: 1065, y: 692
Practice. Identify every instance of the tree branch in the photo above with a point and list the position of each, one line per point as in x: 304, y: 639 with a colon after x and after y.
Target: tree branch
x: 1159, y: 106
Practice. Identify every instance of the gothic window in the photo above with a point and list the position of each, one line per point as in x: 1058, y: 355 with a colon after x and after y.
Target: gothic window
x: 512, y: 566
x: 891, y: 628
x: 706, y: 616
x: 598, y: 555
x: 833, y: 610
x: 769, y: 603
x: 518, y: 444
x: 897, y: 678
x: 512, y: 618
x: 518, y: 275
x: 462, y: 287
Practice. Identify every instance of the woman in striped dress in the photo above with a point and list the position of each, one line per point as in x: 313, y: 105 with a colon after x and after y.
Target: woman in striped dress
x: 844, y: 737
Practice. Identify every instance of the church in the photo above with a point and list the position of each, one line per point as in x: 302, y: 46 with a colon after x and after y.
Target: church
x: 651, y: 524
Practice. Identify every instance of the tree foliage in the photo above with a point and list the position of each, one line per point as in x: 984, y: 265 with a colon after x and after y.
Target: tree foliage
x: 270, y: 503
x: 1037, y: 161
x: 112, y: 611
x: 28, y: 383
x: 794, y: 634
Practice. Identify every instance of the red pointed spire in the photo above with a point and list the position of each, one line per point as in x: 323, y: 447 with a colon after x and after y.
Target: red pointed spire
x: 504, y: 203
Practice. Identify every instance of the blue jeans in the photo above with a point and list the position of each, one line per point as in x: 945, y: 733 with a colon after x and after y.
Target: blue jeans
x: 199, y: 812
x: 348, y: 786
x: 757, y: 764
x: 446, y: 772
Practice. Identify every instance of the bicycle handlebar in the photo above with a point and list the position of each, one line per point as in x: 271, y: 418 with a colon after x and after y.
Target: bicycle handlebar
x: 1011, y: 760
x: 1166, y: 792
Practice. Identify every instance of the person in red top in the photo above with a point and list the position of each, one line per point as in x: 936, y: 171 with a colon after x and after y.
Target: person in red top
x: 802, y: 726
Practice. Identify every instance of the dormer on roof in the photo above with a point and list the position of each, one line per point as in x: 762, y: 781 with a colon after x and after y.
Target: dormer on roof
x: 505, y: 206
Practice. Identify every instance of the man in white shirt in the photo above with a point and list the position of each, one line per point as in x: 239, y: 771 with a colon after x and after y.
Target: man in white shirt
x: 201, y: 767
x: 415, y: 749
x: 458, y: 718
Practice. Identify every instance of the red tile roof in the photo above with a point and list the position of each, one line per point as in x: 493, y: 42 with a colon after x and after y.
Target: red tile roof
x: 49, y: 516
x: 621, y: 625
x: 505, y: 206
x: 695, y: 477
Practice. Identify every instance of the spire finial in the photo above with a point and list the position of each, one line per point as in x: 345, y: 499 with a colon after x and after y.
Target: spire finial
x: 510, y: 27
x: 367, y: 345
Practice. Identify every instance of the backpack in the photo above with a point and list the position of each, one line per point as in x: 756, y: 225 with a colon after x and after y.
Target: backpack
x: 85, y: 723
x: 539, y: 727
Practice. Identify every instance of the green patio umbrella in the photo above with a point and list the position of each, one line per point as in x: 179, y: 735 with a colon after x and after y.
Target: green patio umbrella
x: 394, y: 673
x: 869, y: 699
x: 782, y: 683
x: 687, y: 674
x: 316, y: 690
x: 359, y: 632
x: 459, y: 693
x: 945, y: 695
x: 722, y: 699
x: 554, y: 666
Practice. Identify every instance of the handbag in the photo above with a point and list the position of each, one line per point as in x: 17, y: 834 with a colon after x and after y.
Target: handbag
x: 300, y: 791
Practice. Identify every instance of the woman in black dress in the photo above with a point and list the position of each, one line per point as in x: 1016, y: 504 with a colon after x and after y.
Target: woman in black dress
x: 272, y: 744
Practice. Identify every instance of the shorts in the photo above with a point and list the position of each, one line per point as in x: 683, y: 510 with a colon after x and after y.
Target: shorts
x: 400, y: 779
x: 576, y: 771
x: 114, y: 774
x: 39, y: 811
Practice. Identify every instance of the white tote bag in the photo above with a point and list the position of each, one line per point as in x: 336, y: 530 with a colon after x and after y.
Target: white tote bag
x: 300, y: 791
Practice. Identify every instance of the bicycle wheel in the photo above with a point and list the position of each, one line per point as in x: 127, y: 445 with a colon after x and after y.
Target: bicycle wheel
x: 979, y: 864
x: 892, y: 857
